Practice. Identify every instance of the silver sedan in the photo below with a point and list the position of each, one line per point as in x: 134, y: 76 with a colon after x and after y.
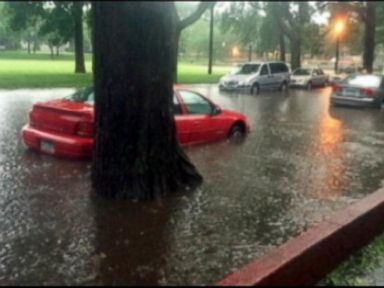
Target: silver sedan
x: 359, y: 90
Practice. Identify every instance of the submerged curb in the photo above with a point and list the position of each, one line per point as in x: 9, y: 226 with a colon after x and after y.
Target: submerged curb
x: 306, y: 259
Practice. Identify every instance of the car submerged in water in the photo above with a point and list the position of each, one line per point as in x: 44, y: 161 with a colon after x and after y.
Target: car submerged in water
x: 65, y: 127
x: 254, y: 77
x: 363, y: 90
x: 308, y: 78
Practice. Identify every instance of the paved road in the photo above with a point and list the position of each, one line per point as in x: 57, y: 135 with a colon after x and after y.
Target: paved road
x: 301, y: 162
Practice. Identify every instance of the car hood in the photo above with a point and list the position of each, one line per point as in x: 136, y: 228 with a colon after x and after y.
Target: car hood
x: 300, y: 77
x: 238, y: 77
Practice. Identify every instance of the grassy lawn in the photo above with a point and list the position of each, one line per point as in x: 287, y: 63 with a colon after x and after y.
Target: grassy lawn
x: 20, y: 70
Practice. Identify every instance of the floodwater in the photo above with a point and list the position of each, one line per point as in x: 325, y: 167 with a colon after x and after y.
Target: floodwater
x: 301, y: 162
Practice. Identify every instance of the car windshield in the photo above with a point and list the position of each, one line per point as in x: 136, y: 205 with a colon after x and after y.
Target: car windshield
x: 83, y: 96
x: 248, y: 69
x: 363, y: 80
x: 302, y: 72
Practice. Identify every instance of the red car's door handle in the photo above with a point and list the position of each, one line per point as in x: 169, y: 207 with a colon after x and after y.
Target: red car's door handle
x: 196, y: 122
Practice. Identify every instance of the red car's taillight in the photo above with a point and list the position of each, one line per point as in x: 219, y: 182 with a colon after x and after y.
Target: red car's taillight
x: 336, y: 88
x: 85, y: 129
x: 370, y: 92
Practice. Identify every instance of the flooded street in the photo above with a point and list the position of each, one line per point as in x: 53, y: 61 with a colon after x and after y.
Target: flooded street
x: 302, y: 161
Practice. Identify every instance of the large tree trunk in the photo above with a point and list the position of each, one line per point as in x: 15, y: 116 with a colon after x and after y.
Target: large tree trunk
x: 281, y: 45
x: 137, y: 155
x: 79, y: 39
x: 369, y: 36
x: 295, y: 54
x: 57, y: 51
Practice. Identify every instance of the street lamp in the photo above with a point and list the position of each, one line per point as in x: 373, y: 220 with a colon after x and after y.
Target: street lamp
x: 339, y: 28
x: 235, y: 51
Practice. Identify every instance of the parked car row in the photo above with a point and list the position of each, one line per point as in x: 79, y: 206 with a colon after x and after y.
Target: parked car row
x: 256, y: 76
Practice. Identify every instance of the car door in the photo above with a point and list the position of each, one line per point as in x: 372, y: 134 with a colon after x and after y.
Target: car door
x: 265, y: 78
x: 314, y: 79
x: 276, y: 77
x: 181, y: 119
x: 203, y: 126
x: 323, y: 78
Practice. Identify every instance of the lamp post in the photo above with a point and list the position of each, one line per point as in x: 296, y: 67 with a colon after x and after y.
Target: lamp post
x: 338, y: 29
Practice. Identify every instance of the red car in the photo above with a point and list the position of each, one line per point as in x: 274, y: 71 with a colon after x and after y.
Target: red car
x: 65, y: 127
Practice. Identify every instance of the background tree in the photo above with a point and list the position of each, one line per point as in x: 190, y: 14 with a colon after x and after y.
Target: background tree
x: 24, y: 18
x: 57, y: 21
x: 360, y: 12
x: 57, y: 26
x: 271, y: 33
x: 242, y: 19
x: 136, y: 154
x: 181, y: 24
x: 293, y: 18
x: 8, y: 38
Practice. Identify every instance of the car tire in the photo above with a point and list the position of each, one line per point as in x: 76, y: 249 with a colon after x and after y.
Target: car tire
x: 309, y: 85
x: 237, y: 132
x: 283, y: 87
x: 255, y: 90
x: 378, y: 104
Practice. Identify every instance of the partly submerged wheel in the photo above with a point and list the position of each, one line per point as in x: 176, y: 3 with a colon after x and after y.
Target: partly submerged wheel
x: 255, y: 89
x: 283, y: 87
x: 237, y: 132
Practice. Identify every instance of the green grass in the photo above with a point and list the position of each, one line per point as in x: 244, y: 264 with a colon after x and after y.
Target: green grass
x: 356, y: 270
x: 20, y: 70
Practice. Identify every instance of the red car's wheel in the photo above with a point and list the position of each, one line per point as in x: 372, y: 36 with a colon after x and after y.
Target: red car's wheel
x: 237, y: 132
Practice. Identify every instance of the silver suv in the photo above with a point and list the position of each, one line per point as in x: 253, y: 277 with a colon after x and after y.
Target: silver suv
x: 256, y: 76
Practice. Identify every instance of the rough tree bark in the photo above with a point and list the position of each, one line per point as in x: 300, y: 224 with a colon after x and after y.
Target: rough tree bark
x: 79, y: 39
x: 137, y: 155
x: 369, y: 36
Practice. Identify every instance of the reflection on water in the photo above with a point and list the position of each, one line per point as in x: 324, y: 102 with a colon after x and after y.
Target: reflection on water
x: 301, y: 162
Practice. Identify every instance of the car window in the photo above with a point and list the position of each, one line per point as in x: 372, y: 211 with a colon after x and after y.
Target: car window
x: 302, y: 72
x: 83, y: 96
x: 195, y: 103
x: 91, y: 98
x: 264, y: 70
x: 176, y: 106
x: 278, y: 68
x: 283, y: 68
x: 248, y: 69
x: 274, y: 68
x: 363, y: 80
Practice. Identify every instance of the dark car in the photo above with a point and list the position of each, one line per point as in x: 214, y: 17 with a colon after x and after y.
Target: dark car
x: 359, y: 90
